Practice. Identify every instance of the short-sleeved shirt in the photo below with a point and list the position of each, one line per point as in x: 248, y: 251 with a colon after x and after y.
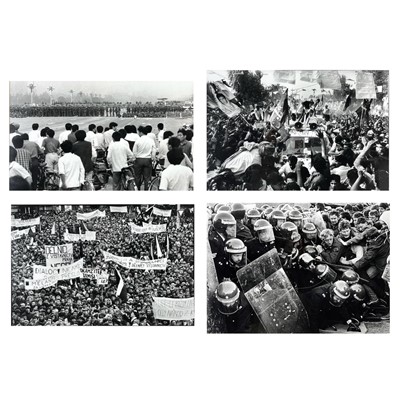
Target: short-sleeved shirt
x: 50, y: 145
x: 176, y: 177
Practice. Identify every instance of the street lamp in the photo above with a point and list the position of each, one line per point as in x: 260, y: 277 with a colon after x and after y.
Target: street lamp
x: 51, y: 89
x: 31, y: 86
x: 71, y: 92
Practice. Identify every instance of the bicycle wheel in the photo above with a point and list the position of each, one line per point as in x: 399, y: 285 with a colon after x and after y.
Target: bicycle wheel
x: 155, y: 184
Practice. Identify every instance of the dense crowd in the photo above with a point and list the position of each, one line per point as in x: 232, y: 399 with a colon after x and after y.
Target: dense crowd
x: 314, y: 149
x: 121, y: 110
x: 83, y: 158
x: 81, y: 301
x: 336, y: 257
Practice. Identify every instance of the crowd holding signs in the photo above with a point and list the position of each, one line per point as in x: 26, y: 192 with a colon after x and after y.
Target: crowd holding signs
x: 295, y: 139
x: 103, y: 272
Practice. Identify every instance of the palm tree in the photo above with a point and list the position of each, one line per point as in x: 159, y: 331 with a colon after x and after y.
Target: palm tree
x: 31, y: 86
x: 71, y: 92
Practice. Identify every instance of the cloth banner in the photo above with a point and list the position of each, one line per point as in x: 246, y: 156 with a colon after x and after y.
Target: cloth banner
x: 21, y: 223
x: 280, y: 112
x: 309, y: 76
x: 365, y: 85
x: 217, y: 98
x: 90, y: 215
x: 37, y: 284
x: 93, y: 273
x: 329, y: 80
x: 57, y: 256
x: 19, y: 233
x: 122, y: 209
x: 75, y: 237
x: 147, y: 228
x: 41, y: 272
x: 285, y: 76
x: 133, y: 263
x: 173, y: 309
x: 71, y: 271
x: 162, y: 213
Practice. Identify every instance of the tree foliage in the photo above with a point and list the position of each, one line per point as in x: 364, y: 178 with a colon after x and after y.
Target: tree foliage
x: 248, y: 86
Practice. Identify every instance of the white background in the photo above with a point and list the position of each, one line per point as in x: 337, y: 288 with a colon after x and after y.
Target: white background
x: 181, y: 40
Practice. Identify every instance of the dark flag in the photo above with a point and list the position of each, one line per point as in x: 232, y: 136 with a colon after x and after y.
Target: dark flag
x: 347, y: 103
x: 121, y: 287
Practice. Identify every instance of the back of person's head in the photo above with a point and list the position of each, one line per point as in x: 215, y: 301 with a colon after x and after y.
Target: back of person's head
x: 122, y: 132
x: 13, y: 154
x: 142, y: 130
x: 319, y: 163
x: 345, y: 215
x: 112, y: 125
x: 292, y: 186
x: 68, y: 126
x: 189, y: 134
x: 92, y: 127
x: 341, y: 159
x: 12, y: 128
x: 75, y: 128
x: 35, y: 126
x: 66, y: 146
x: 133, y: 128
x: 128, y: 129
x: 174, y: 142
x: 274, y: 178
x: 25, y: 136
x: 116, y: 136
x: 18, y: 142
x: 100, y: 129
x: 291, y: 176
x: 148, y: 128
x: 19, y: 183
x: 50, y: 133
x: 167, y: 134
x: 292, y: 161
x: 175, y: 156
x: 43, y: 132
x: 80, y: 135
x: 160, y: 126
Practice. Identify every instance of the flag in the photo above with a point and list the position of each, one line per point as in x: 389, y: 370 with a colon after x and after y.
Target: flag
x: 53, y: 229
x: 159, y: 252
x: 121, y: 288
x: 347, y: 103
x: 151, y: 250
x: 222, y: 99
x: 281, y: 112
x: 167, y: 245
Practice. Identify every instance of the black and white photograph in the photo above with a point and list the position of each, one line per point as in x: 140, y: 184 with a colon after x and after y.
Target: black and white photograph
x: 102, y: 265
x: 101, y: 135
x: 298, y: 130
x: 298, y: 268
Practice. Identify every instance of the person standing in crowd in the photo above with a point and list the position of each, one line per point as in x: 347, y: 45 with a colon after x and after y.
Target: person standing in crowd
x: 64, y: 135
x: 108, y: 135
x: 34, y: 151
x: 72, y: 135
x: 71, y: 169
x: 34, y: 134
x: 12, y: 134
x: 118, y: 157
x: 174, y: 143
x: 17, y: 170
x: 163, y: 149
x: 23, y: 156
x: 144, y: 151
x: 185, y: 136
x: 51, y: 147
x: 87, y: 154
x: 176, y: 176
x: 160, y: 128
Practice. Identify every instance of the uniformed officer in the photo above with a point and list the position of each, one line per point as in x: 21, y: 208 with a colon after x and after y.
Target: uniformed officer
x: 263, y: 242
x: 242, y: 231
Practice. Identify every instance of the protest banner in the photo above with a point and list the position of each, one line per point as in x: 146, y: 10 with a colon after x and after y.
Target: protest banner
x: 57, y: 256
x: 173, y: 309
x: 71, y: 271
x: 41, y: 272
x: 147, y: 228
x: 285, y: 76
x: 365, y: 85
x: 218, y: 99
x: 37, y: 284
x: 133, y: 263
x: 121, y: 209
x: 76, y: 237
x: 102, y: 279
x: 18, y: 234
x: 22, y: 223
x: 329, y: 80
x: 162, y: 213
x: 90, y: 215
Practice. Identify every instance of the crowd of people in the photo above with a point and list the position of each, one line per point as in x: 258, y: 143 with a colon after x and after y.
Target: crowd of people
x: 75, y: 157
x: 314, y: 148
x: 120, y: 110
x: 336, y: 257
x: 81, y: 301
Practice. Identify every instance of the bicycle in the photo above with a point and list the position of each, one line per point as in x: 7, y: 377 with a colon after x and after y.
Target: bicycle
x: 157, y: 168
x: 101, y: 172
x: 52, y: 180
x: 128, y: 178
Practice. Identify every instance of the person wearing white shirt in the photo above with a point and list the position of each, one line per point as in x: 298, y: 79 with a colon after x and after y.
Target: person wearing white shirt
x: 144, y: 151
x: 176, y: 176
x: 163, y: 149
x: 64, y: 135
x: 108, y: 135
x: 118, y: 156
x: 34, y: 134
x: 70, y: 168
x: 16, y: 169
x: 161, y: 131
x: 90, y: 135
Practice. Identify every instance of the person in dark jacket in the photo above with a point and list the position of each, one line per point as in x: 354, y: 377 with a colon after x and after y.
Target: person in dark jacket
x: 84, y: 150
x: 331, y: 249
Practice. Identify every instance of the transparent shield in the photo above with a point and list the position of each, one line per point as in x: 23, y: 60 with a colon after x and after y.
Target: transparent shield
x: 272, y: 296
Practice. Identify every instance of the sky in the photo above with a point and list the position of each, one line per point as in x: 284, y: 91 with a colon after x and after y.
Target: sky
x: 268, y: 79
x: 120, y: 90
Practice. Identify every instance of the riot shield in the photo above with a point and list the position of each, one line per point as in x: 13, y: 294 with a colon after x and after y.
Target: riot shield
x: 272, y: 296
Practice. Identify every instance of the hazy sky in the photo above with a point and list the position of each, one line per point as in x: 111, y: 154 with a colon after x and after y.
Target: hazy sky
x: 268, y: 79
x: 148, y: 90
